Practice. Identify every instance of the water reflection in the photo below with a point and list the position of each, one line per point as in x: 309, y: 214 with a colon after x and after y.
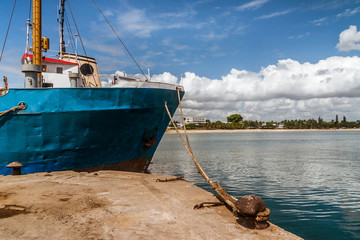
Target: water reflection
x: 310, y: 180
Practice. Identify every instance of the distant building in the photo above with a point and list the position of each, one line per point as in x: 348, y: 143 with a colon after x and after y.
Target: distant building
x: 194, y: 120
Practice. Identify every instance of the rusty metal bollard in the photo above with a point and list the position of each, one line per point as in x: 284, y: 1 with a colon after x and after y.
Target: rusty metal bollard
x: 254, y: 212
x: 16, y: 167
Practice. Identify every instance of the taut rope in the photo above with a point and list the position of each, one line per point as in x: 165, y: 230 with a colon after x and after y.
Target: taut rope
x: 260, y: 218
x: 224, y: 196
x: 183, y: 121
x: 19, y: 107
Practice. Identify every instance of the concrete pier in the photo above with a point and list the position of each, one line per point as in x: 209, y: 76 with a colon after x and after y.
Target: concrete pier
x: 114, y: 205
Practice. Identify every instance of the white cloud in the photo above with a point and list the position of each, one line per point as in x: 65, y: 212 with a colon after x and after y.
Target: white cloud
x: 349, y: 12
x: 165, y: 77
x: 349, y: 39
x: 332, y: 77
x: 185, y: 13
x: 10, y: 67
x: 167, y: 42
x: 287, y: 90
x: 109, y: 63
x: 108, y: 13
x: 136, y: 22
x: 210, y: 36
x: 299, y: 36
x: 275, y: 14
x: 253, y: 5
x: 142, y: 23
x: 320, y: 22
x: 101, y: 47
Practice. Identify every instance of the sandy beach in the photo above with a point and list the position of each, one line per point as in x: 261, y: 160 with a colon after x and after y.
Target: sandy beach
x: 172, y: 131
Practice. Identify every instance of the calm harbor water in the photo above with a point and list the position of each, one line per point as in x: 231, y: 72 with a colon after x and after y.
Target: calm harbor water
x: 309, y: 180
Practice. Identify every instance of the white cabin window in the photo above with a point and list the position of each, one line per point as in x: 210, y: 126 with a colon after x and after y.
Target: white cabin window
x: 59, y: 70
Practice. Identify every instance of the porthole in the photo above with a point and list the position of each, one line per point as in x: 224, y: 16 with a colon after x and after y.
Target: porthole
x: 86, y: 69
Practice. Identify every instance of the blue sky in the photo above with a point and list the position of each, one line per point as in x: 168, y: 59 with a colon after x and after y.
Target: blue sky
x: 233, y: 43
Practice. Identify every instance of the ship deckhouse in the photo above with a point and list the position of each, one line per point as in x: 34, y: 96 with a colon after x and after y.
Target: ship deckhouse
x: 66, y: 73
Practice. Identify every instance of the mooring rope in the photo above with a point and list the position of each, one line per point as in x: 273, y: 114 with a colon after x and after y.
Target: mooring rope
x: 171, y: 179
x: 224, y: 196
x: 19, y: 107
x: 260, y: 218
x: 183, y: 120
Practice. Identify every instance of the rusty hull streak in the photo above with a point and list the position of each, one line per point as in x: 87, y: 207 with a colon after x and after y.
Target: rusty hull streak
x: 134, y: 165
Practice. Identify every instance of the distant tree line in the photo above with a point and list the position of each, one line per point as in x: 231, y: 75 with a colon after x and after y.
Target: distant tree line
x: 235, y: 121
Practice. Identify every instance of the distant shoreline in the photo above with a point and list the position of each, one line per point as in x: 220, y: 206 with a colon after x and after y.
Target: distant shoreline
x: 172, y: 131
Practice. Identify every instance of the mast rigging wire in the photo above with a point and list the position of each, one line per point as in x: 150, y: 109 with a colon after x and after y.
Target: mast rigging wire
x: 72, y: 41
x: 82, y: 44
x: 77, y: 30
x: 30, y: 9
x: 61, y: 29
x: 120, y: 40
x: 7, y: 32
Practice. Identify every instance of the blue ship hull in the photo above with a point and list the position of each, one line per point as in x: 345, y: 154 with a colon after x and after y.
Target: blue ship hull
x: 83, y: 128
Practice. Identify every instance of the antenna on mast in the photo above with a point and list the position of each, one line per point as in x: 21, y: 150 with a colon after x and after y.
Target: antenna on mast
x: 28, y: 25
x: 61, y: 27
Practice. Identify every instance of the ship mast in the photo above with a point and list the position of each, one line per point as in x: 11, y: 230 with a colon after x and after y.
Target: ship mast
x: 61, y: 27
x: 33, y: 70
x: 37, y: 32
